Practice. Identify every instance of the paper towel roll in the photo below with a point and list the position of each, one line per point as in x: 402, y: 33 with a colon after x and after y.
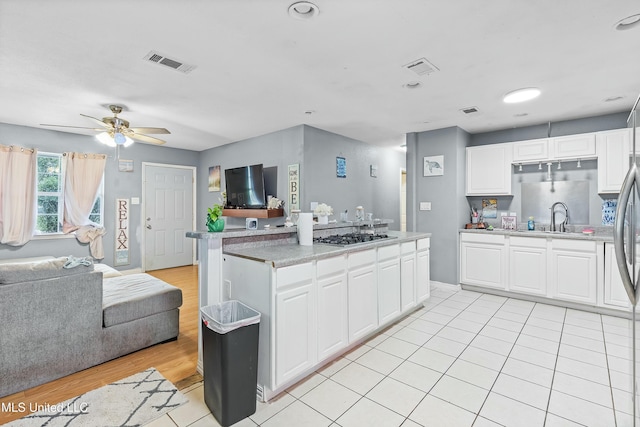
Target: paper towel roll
x: 305, y: 229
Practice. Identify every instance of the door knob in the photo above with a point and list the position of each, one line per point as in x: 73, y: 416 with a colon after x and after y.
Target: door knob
x: 148, y: 218
x: 149, y: 226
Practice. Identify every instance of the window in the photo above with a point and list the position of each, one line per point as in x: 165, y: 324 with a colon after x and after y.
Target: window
x: 50, y: 196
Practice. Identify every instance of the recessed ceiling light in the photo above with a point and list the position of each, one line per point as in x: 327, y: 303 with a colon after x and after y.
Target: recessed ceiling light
x: 413, y: 85
x: 628, y: 23
x: 303, y: 10
x: 521, y: 115
x: 521, y: 95
x: 613, y: 98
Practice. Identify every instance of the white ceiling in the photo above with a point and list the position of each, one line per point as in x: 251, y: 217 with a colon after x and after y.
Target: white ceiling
x: 259, y: 70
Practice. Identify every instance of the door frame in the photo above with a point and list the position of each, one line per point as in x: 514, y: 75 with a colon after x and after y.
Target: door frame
x: 143, y: 257
x: 403, y: 171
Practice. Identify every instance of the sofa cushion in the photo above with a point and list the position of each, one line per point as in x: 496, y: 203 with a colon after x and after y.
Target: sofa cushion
x: 38, y: 270
x: 134, y: 296
x: 106, y: 271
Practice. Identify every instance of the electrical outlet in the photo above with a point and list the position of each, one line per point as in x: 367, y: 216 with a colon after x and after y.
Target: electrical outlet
x: 425, y: 206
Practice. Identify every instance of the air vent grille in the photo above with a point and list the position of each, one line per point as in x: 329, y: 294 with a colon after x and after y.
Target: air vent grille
x: 421, y: 67
x: 470, y: 110
x: 158, y: 58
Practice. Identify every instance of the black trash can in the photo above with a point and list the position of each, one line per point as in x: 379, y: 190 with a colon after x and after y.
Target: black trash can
x: 230, y: 332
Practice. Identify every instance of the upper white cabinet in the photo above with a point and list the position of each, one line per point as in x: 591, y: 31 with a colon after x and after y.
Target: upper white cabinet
x: 613, y: 159
x: 489, y: 170
x: 535, y: 149
x: 573, y: 146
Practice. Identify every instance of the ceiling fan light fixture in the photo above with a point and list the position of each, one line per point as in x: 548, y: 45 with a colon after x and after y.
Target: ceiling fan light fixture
x: 106, y: 139
x: 303, y: 10
x: 521, y: 95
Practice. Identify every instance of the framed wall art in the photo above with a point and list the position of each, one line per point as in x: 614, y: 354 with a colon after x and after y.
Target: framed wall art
x: 341, y: 167
x: 433, y: 166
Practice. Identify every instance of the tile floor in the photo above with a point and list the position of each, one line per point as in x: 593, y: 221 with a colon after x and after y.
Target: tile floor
x: 465, y: 359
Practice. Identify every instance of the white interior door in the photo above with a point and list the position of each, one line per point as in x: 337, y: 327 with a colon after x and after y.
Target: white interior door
x: 168, y: 215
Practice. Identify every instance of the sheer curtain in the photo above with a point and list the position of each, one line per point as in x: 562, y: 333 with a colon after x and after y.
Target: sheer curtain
x: 17, y: 194
x: 83, y: 175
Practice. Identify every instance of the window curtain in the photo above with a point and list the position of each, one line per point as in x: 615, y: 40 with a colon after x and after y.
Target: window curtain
x: 17, y: 194
x: 83, y: 175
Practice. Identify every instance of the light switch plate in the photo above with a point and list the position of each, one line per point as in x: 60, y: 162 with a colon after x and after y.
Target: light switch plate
x: 425, y: 206
x: 135, y: 200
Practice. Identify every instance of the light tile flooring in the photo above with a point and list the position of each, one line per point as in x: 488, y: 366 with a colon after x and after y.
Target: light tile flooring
x: 465, y: 359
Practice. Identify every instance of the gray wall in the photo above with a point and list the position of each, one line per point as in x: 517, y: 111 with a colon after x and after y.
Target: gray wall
x: 449, y: 207
x: 279, y: 149
x: 568, y: 127
x: 380, y: 196
x: 117, y: 185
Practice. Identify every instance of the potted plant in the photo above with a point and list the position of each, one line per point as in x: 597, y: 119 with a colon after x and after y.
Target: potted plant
x: 214, y: 218
x: 323, y: 211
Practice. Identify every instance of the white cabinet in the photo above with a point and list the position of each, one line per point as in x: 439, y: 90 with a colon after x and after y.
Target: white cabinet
x: 614, y: 291
x: 483, y: 259
x: 333, y: 321
x: 579, y: 146
x: 613, y: 159
x: 423, y: 281
x: 295, y: 330
x: 528, y: 265
x: 407, y: 276
x: 573, y: 271
x: 535, y: 149
x: 489, y: 170
x: 388, y: 283
x: 362, y: 294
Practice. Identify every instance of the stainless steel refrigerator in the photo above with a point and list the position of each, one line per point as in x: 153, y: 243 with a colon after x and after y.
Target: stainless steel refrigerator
x: 626, y: 242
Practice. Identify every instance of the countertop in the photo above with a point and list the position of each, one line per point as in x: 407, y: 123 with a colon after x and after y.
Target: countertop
x: 601, y: 234
x: 290, y: 254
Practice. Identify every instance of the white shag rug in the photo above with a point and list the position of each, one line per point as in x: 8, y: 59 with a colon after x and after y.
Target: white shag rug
x: 133, y: 401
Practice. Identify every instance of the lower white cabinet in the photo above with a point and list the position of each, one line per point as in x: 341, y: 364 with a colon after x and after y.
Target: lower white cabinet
x: 483, y: 260
x: 295, y: 325
x: 423, y: 281
x: 408, y: 282
x: 333, y: 320
x: 528, y: 265
x: 614, y: 292
x: 388, y: 290
x: 573, y: 271
x: 363, y: 301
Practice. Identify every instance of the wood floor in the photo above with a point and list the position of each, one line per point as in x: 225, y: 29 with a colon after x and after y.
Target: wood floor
x: 175, y: 360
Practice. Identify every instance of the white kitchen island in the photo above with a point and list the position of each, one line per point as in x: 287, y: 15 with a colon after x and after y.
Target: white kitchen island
x: 317, y: 302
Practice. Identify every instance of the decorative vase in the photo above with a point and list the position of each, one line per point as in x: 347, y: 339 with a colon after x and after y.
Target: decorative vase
x: 217, y: 225
x: 323, y: 219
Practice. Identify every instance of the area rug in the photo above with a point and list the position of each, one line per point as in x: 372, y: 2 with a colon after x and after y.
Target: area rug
x: 133, y: 401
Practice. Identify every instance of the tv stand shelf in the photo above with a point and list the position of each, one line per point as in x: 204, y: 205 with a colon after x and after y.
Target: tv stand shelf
x: 253, y: 213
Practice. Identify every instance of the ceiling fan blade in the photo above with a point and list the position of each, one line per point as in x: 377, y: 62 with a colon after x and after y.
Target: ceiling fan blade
x: 150, y: 130
x: 145, y: 138
x: 98, y: 121
x: 73, y: 127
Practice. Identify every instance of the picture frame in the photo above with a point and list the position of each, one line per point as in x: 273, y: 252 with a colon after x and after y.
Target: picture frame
x: 341, y: 167
x: 508, y: 222
x: 214, y: 178
x: 433, y: 166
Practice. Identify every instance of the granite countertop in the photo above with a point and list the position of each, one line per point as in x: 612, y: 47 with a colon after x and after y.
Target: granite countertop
x: 601, y: 234
x: 290, y: 254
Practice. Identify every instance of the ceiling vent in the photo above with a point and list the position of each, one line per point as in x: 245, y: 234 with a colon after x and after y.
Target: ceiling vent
x: 421, y: 67
x: 158, y: 58
x: 470, y: 110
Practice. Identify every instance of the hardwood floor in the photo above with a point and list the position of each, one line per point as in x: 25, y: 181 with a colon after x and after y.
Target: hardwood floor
x: 175, y: 360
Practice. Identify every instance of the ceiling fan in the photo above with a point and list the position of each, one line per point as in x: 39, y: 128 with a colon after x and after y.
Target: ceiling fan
x: 115, y: 131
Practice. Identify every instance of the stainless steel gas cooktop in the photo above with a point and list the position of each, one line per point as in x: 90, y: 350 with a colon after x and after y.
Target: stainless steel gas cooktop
x: 350, y: 239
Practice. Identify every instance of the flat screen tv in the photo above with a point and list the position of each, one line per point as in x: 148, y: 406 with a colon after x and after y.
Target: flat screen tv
x: 245, y: 187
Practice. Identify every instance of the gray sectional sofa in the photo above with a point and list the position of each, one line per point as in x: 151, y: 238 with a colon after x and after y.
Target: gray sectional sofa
x: 55, y: 321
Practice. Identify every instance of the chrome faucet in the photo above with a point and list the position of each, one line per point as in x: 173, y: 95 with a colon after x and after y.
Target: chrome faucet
x: 553, y: 217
